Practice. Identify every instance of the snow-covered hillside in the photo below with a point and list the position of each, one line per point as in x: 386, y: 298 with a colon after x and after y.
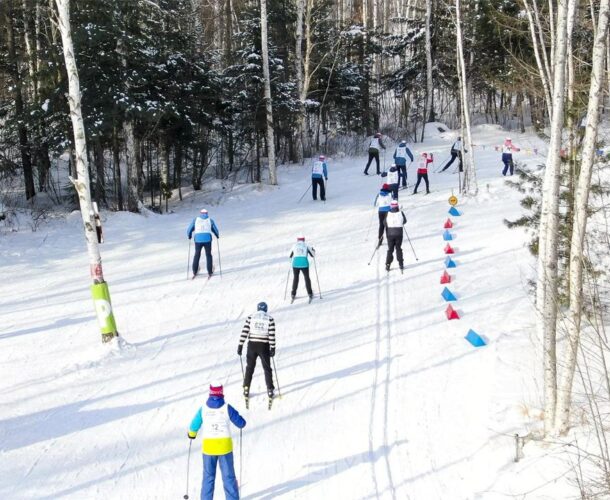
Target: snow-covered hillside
x: 381, y: 395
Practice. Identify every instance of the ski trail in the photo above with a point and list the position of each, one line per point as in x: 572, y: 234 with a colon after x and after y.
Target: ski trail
x: 379, y: 448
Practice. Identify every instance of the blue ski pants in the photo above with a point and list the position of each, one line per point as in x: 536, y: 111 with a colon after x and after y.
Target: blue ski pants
x: 208, y: 256
x: 227, y: 470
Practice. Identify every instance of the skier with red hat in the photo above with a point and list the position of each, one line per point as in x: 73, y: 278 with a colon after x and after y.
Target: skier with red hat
x: 374, y: 146
x: 382, y: 202
x: 299, y: 256
x: 394, y: 223
x: 214, y: 419
x: 319, y: 171
x: 202, y: 228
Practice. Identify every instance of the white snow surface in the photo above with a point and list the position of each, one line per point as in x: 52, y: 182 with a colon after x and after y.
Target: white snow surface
x: 381, y: 395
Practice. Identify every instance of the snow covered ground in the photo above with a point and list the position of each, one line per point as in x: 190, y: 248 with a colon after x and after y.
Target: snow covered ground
x: 382, y: 396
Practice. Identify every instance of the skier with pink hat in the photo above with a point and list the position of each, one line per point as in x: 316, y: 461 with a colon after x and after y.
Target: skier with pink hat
x: 507, y: 156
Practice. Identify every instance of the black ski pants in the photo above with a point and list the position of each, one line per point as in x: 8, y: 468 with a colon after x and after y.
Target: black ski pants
x: 394, y: 190
x: 402, y: 175
x: 208, y: 256
x: 454, y: 155
x: 258, y: 350
x: 295, y: 280
x: 373, y: 154
x: 419, y: 179
x: 394, y: 242
x: 315, y: 182
x: 382, y: 217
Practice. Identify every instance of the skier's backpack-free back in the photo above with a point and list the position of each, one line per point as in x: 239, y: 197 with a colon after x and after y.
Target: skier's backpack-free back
x: 201, y: 229
x: 401, y: 154
x: 214, y: 419
x: 259, y: 332
x: 319, y: 171
x: 299, y: 256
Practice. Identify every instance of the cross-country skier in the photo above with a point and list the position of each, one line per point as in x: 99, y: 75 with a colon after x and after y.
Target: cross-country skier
x: 394, y: 226
x: 422, y: 171
x: 215, y: 418
x: 319, y: 170
x: 374, y: 146
x: 259, y: 331
x: 203, y: 227
x: 400, y: 159
x: 507, y: 156
x: 456, y: 152
x: 382, y: 202
x: 392, y: 176
x: 300, y: 264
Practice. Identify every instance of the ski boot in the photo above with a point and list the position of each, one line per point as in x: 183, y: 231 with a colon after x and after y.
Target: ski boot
x: 310, y: 298
x: 270, y: 395
x: 247, y: 396
x: 292, y: 297
x: 387, y: 267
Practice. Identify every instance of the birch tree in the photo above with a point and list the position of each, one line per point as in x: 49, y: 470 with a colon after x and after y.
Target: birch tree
x: 470, y: 179
x: 299, y: 78
x: 546, y: 284
x: 429, y: 83
x: 82, y: 184
x: 268, y: 101
x: 577, y: 244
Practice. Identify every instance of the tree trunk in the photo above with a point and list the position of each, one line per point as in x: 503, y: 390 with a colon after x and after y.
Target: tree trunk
x: 470, y: 178
x: 24, y: 146
x: 103, y: 308
x: 132, y: 154
x: 116, y: 165
x: 546, y: 285
x: 429, y: 83
x: 268, y: 102
x: 299, y: 77
x: 164, y: 188
x: 577, y: 244
x: 100, y: 181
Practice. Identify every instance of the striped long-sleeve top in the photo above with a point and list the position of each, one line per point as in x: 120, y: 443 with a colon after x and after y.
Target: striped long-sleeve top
x: 259, y: 327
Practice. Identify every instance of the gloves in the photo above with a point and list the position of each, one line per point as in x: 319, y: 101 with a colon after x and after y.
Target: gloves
x: 325, y: 178
x: 240, y: 348
x: 190, y: 237
x: 191, y: 435
x: 272, y: 352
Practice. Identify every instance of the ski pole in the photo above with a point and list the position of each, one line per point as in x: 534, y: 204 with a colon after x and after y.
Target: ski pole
x: 277, y: 380
x: 241, y: 460
x: 409, y: 239
x: 188, y: 260
x: 374, y: 252
x: 243, y: 375
x: 315, y: 266
x: 303, y: 195
x: 219, y: 263
x: 286, y: 287
x: 186, y: 495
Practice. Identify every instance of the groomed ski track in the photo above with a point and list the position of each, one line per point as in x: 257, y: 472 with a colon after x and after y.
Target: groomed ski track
x: 381, y: 395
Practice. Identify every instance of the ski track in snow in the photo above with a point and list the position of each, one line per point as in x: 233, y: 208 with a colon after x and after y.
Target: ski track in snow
x: 381, y: 396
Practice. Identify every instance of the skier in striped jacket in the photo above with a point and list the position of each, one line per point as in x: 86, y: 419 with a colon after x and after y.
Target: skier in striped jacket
x: 259, y: 331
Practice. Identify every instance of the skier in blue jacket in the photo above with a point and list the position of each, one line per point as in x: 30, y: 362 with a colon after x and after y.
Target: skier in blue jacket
x: 203, y: 227
x: 400, y: 160
x: 319, y: 170
x: 215, y: 419
x: 382, y: 202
